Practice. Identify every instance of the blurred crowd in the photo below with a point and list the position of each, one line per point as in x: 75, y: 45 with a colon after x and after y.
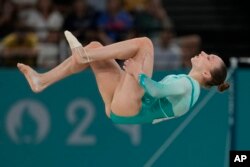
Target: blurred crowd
x: 31, y: 31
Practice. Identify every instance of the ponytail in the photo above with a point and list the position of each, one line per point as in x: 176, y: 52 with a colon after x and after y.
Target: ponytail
x: 222, y: 87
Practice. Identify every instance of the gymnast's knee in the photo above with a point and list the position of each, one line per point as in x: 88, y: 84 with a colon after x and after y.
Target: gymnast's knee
x: 95, y: 44
x: 145, y: 41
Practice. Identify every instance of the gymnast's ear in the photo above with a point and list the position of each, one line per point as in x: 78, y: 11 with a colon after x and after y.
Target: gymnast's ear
x: 206, y: 75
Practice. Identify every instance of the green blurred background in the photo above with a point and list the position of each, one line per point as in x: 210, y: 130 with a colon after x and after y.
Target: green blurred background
x: 66, y: 126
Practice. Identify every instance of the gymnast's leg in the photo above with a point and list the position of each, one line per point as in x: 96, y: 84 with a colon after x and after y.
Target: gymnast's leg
x: 120, y: 50
x: 39, y: 81
x: 120, y: 91
x: 128, y: 95
x: 108, y: 75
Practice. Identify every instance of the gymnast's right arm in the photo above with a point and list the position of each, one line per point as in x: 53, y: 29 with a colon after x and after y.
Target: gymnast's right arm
x: 160, y: 89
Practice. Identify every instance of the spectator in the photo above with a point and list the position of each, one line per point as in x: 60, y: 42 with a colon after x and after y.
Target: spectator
x: 172, y: 52
x: 63, y: 6
x: 113, y: 22
x: 99, y: 5
x: 47, y: 23
x: 168, y: 54
x: 190, y: 46
x: 8, y: 17
x: 24, y: 3
x: 152, y: 19
x: 80, y: 21
x: 24, y: 7
x: 134, y: 6
x: 21, y: 45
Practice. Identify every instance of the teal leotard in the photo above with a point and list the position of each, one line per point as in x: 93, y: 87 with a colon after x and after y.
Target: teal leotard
x: 169, y: 98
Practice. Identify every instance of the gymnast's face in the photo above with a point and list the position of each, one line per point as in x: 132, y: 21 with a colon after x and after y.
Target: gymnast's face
x: 204, y: 63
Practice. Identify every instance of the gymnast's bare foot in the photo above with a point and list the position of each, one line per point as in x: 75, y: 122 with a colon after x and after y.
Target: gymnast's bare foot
x: 78, y: 51
x: 33, y: 78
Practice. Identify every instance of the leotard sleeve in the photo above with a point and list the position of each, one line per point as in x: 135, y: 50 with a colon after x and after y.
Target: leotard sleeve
x: 173, y: 86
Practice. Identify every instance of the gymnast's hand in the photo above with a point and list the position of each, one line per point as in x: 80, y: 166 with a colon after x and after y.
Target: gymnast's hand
x: 133, y: 67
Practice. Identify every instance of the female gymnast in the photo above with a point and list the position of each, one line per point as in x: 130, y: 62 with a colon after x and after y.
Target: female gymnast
x: 130, y: 95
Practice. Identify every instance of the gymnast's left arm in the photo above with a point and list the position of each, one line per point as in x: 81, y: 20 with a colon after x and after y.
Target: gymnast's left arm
x: 160, y: 89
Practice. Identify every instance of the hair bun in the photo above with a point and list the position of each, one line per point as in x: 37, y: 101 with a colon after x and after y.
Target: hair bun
x: 222, y: 87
